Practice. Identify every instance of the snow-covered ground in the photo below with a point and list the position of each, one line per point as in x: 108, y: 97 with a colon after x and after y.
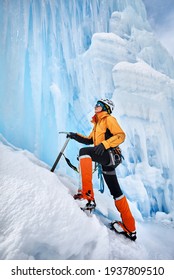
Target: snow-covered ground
x: 39, y: 219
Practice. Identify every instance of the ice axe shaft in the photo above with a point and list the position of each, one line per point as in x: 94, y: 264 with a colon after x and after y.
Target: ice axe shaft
x: 61, y: 153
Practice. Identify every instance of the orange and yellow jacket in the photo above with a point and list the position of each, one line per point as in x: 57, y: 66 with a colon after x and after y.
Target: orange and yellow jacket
x: 106, y: 130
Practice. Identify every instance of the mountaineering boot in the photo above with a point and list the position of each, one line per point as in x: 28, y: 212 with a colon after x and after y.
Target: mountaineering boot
x: 86, y: 191
x: 119, y: 228
x: 128, y: 221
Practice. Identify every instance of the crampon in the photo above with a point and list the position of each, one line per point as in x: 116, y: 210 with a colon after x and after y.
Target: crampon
x: 119, y: 228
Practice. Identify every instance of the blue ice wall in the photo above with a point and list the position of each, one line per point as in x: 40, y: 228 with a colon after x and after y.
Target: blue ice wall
x: 40, y: 41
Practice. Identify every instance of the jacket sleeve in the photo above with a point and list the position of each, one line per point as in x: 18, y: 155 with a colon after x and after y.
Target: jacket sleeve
x: 84, y: 139
x: 117, y: 132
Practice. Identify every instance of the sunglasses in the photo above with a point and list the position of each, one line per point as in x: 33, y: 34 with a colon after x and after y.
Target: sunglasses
x: 99, y: 104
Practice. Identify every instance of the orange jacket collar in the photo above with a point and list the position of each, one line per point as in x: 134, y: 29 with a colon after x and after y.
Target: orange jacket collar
x: 99, y: 116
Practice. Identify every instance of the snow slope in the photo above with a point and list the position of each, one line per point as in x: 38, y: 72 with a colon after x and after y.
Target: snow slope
x: 40, y: 220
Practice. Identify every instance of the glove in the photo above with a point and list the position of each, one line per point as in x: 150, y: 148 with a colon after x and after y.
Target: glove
x: 99, y: 149
x: 72, y: 135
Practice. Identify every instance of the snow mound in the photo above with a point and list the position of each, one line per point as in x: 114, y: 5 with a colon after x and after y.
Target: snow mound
x: 39, y: 219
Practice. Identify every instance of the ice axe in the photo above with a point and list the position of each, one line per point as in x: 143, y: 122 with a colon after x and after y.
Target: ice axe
x: 61, y: 152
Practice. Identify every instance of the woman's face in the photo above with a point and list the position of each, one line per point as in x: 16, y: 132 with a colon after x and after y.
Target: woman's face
x: 98, y: 107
